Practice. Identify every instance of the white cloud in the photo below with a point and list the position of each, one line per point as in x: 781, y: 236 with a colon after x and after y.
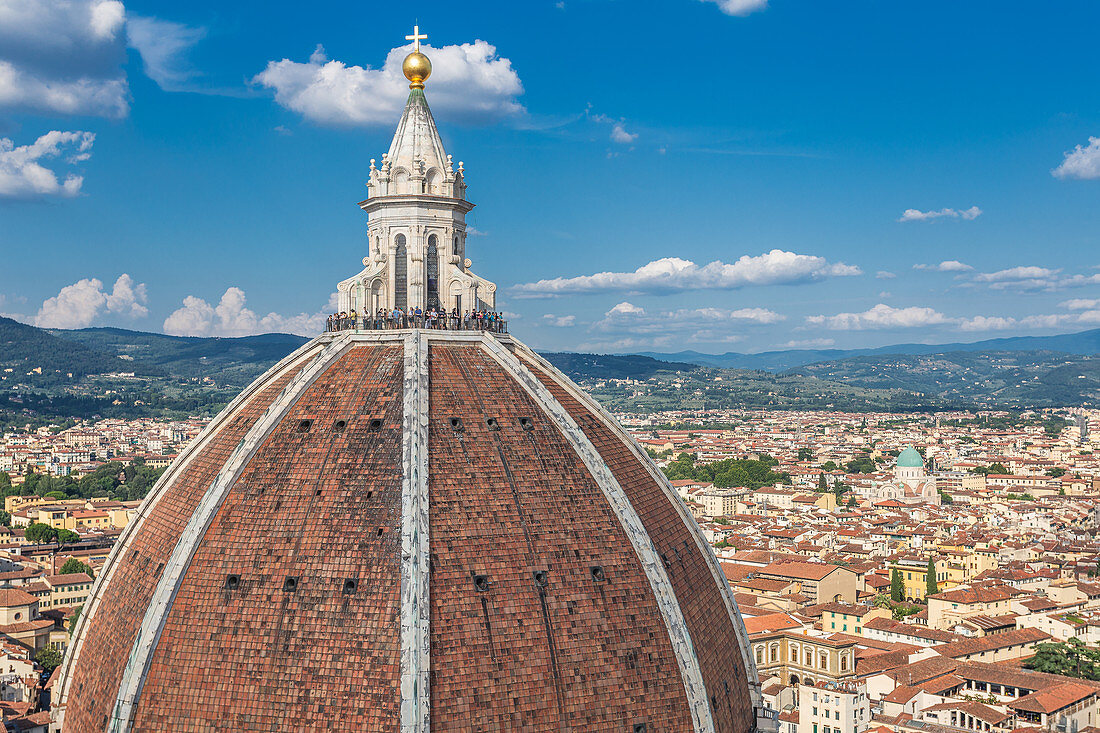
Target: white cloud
x: 625, y: 308
x: 78, y: 305
x: 946, y: 266
x: 22, y: 175
x: 885, y: 275
x: 1030, y: 278
x: 63, y: 56
x: 559, y: 321
x: 629, y: 326
x: 917, y: 215
x: 1079, y: 304
x: 739, y: 7
x: 231, y: 318
x: 163, y: 46
x: 881, y: 316
x: 468, y: 81
x: 1016, y: 273
x: 1082, y: 162
x: 809, y: 343
x: 987, y: 323
x: 128, y: 298
x: 620, y: 135
x: 672, y: 273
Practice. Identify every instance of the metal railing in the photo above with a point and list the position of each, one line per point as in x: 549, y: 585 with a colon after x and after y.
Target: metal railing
x: 490, y: 323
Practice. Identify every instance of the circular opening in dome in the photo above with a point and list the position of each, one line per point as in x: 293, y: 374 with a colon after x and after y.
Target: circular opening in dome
x: 232, y: 581
x: 481, y: 582
x: 597, y: 572
x: 339, y: 425
x: 290, y: 584
x: 639, y: 728
x: 456, y: 424
x: 376, y: 424
x: 18, y: 616
x: 542, y: 578
x: 370, y: 494
x: 492, y: 423
x: 304, y: 426
x: 526, y: 423
x: 350, y: 585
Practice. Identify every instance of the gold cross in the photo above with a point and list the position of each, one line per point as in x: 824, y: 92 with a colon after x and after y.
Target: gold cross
x: 416, y: 37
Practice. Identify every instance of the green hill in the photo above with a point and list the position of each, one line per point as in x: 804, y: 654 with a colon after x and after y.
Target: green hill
x: 27, y: 350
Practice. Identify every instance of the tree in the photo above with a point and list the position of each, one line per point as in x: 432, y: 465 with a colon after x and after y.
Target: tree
x: 39, y: 533
x: 805, y: 454
x: 1071, y: 659
x: 862, y: 464
x: 75, y: 617
x: 829, y: 465
x: 72, y: 565
x: 931, y: 587
x: 48, y: 659
x: 5, y: 480
x: 822, y: 484
x: 897, y: 586
x: 66, y: 536
x: 1056, y: 472
x: 5, y: 518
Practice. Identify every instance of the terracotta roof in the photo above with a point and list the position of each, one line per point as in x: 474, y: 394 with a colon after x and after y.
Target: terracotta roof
x: 980, y: 644
x: 1053, y: 698
x: 23, y: 626
x: 923, y: 670
x: 769, y: 623
x: 891, y: 626
x: 975, y: 709
x: 799, y: 570
x: 850, y: 609
x: 15, y: 597
x: 977, y: 594
x: 68, y: 579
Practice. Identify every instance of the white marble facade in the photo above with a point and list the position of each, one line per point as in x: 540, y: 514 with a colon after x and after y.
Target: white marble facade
x: 416, y: 207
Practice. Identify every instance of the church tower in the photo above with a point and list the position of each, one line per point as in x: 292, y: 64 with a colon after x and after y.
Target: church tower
x: 417, y: 206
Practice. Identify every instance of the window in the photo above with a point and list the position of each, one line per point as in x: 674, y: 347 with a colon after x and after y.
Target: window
x: 859, y: 630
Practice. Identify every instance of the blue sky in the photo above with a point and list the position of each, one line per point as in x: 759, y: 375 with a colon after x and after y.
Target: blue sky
x: 737, y: 175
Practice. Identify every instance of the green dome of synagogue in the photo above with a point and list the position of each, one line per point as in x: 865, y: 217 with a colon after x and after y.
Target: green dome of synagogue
x: 909, y: 458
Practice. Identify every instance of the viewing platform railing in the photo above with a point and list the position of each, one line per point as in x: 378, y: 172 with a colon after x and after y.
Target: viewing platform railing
x: 439, y: 323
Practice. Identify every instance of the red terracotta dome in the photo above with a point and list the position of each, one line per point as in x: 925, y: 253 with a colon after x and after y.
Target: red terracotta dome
x: 410, y: 530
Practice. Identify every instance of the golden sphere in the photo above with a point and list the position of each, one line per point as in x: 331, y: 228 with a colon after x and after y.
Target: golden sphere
x: 417, y: 69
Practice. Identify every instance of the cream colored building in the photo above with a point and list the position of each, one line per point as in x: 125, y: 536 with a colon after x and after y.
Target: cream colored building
x: 830, y: 707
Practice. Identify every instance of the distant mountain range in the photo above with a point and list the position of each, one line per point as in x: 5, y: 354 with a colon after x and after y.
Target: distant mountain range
x: 50, y: 374
x: 230, y: 361
x: 1083, y: 343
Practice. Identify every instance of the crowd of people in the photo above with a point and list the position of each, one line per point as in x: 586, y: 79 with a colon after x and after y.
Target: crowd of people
x: 416, y: 317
